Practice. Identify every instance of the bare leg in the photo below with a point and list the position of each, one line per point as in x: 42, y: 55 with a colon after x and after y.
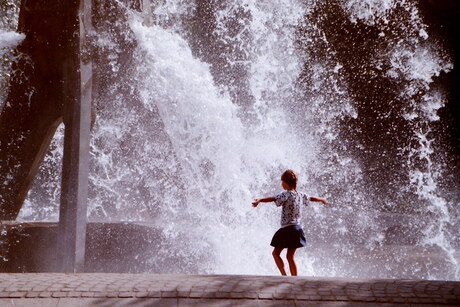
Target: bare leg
x: 279, y: 262
x: 291, y: 261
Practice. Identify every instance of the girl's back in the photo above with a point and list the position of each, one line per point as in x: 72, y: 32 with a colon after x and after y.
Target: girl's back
x: 291, y: 201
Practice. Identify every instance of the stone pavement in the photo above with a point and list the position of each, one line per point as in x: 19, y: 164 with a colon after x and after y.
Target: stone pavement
x: 105, y: 289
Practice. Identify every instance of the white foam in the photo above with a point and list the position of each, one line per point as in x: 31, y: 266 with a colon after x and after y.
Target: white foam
x: 9, y: 39
x: 368, y: 10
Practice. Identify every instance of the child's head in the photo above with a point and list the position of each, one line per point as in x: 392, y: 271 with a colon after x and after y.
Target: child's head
x: 290, y: 179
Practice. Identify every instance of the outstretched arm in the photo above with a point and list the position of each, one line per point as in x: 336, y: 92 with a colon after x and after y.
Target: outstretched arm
x: 263, y: 200
x: 320, y: 200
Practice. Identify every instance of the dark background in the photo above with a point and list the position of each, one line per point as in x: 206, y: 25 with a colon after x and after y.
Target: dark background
x: 443, y: 18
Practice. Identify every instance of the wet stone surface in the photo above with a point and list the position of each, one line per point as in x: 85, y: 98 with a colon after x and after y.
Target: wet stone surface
x: 93, y: 289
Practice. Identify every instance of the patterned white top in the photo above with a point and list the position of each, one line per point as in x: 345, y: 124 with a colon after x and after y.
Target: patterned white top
x: 291, y: 202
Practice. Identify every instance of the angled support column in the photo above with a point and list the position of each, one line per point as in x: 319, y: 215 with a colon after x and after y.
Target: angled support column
x: 33, y: 107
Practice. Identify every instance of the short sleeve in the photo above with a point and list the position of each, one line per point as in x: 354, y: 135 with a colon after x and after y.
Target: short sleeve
x: 305, y: 199
x: 280, y: 199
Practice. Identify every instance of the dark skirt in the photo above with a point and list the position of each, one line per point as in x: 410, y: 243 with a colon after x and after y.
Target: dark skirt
x: 289, y: 237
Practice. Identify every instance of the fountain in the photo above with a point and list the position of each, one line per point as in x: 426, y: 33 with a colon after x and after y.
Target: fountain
x: 199, y: 107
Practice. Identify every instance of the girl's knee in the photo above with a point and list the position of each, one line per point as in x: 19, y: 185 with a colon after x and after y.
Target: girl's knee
x: 277, y: 252
x: 290, y: 254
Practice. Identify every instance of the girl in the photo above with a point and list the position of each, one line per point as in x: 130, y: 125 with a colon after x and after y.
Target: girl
x: 290, y: 235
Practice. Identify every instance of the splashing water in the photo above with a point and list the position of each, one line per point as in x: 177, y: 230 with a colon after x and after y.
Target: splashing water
x: 201, y: 121
x: 198, y: 123
x: 9, y: 39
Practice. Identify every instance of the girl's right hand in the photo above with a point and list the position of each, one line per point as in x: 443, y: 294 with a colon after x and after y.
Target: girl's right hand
x: 255, y: 203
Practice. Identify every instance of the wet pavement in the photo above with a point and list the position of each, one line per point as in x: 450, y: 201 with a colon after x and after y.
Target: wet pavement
x: 106, y: 289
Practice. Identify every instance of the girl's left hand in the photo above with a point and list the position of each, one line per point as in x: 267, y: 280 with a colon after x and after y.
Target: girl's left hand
x: 255, y: 203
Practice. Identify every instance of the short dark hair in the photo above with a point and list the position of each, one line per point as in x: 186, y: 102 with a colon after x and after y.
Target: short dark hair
x: 290, y: 178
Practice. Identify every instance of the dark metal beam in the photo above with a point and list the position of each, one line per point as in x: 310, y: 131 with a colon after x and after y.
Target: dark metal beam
x: 33, y: 107
x: 77, y: 121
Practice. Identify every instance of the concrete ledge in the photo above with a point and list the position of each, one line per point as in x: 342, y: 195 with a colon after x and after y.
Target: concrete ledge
x: 104, y: 289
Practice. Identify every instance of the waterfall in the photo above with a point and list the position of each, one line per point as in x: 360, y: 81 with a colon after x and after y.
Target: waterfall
x: 216, y: 100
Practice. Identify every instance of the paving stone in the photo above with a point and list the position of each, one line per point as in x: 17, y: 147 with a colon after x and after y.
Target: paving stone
x: 422, y: 295
x: 301, y: 296
x: 327, y: 298
x: 379, y: 293
x: 209, y: 294
x: 168, y: 294
x: 45, y: 294
x: 407, y: 295
x: 222, y: 293
x: 398, y: 300
x: 97, y: 294
x: 280, y: 295
x: 338, y: 292
x: 215, y: 303
x: 290, y: 296
x: 237, y: 295
x: 142, y: 294
x: 195, y: 294
x: 282, y: 303
x: 32, y: 294
x: 185, y: 293
x: 187, y: 289
x: 154, y: 293
x: 223, y: 289
x: 59, y: 294
x: 265, y: 295
x: 309, y: 291
x: 426, y: 300
x: 17, y: 294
